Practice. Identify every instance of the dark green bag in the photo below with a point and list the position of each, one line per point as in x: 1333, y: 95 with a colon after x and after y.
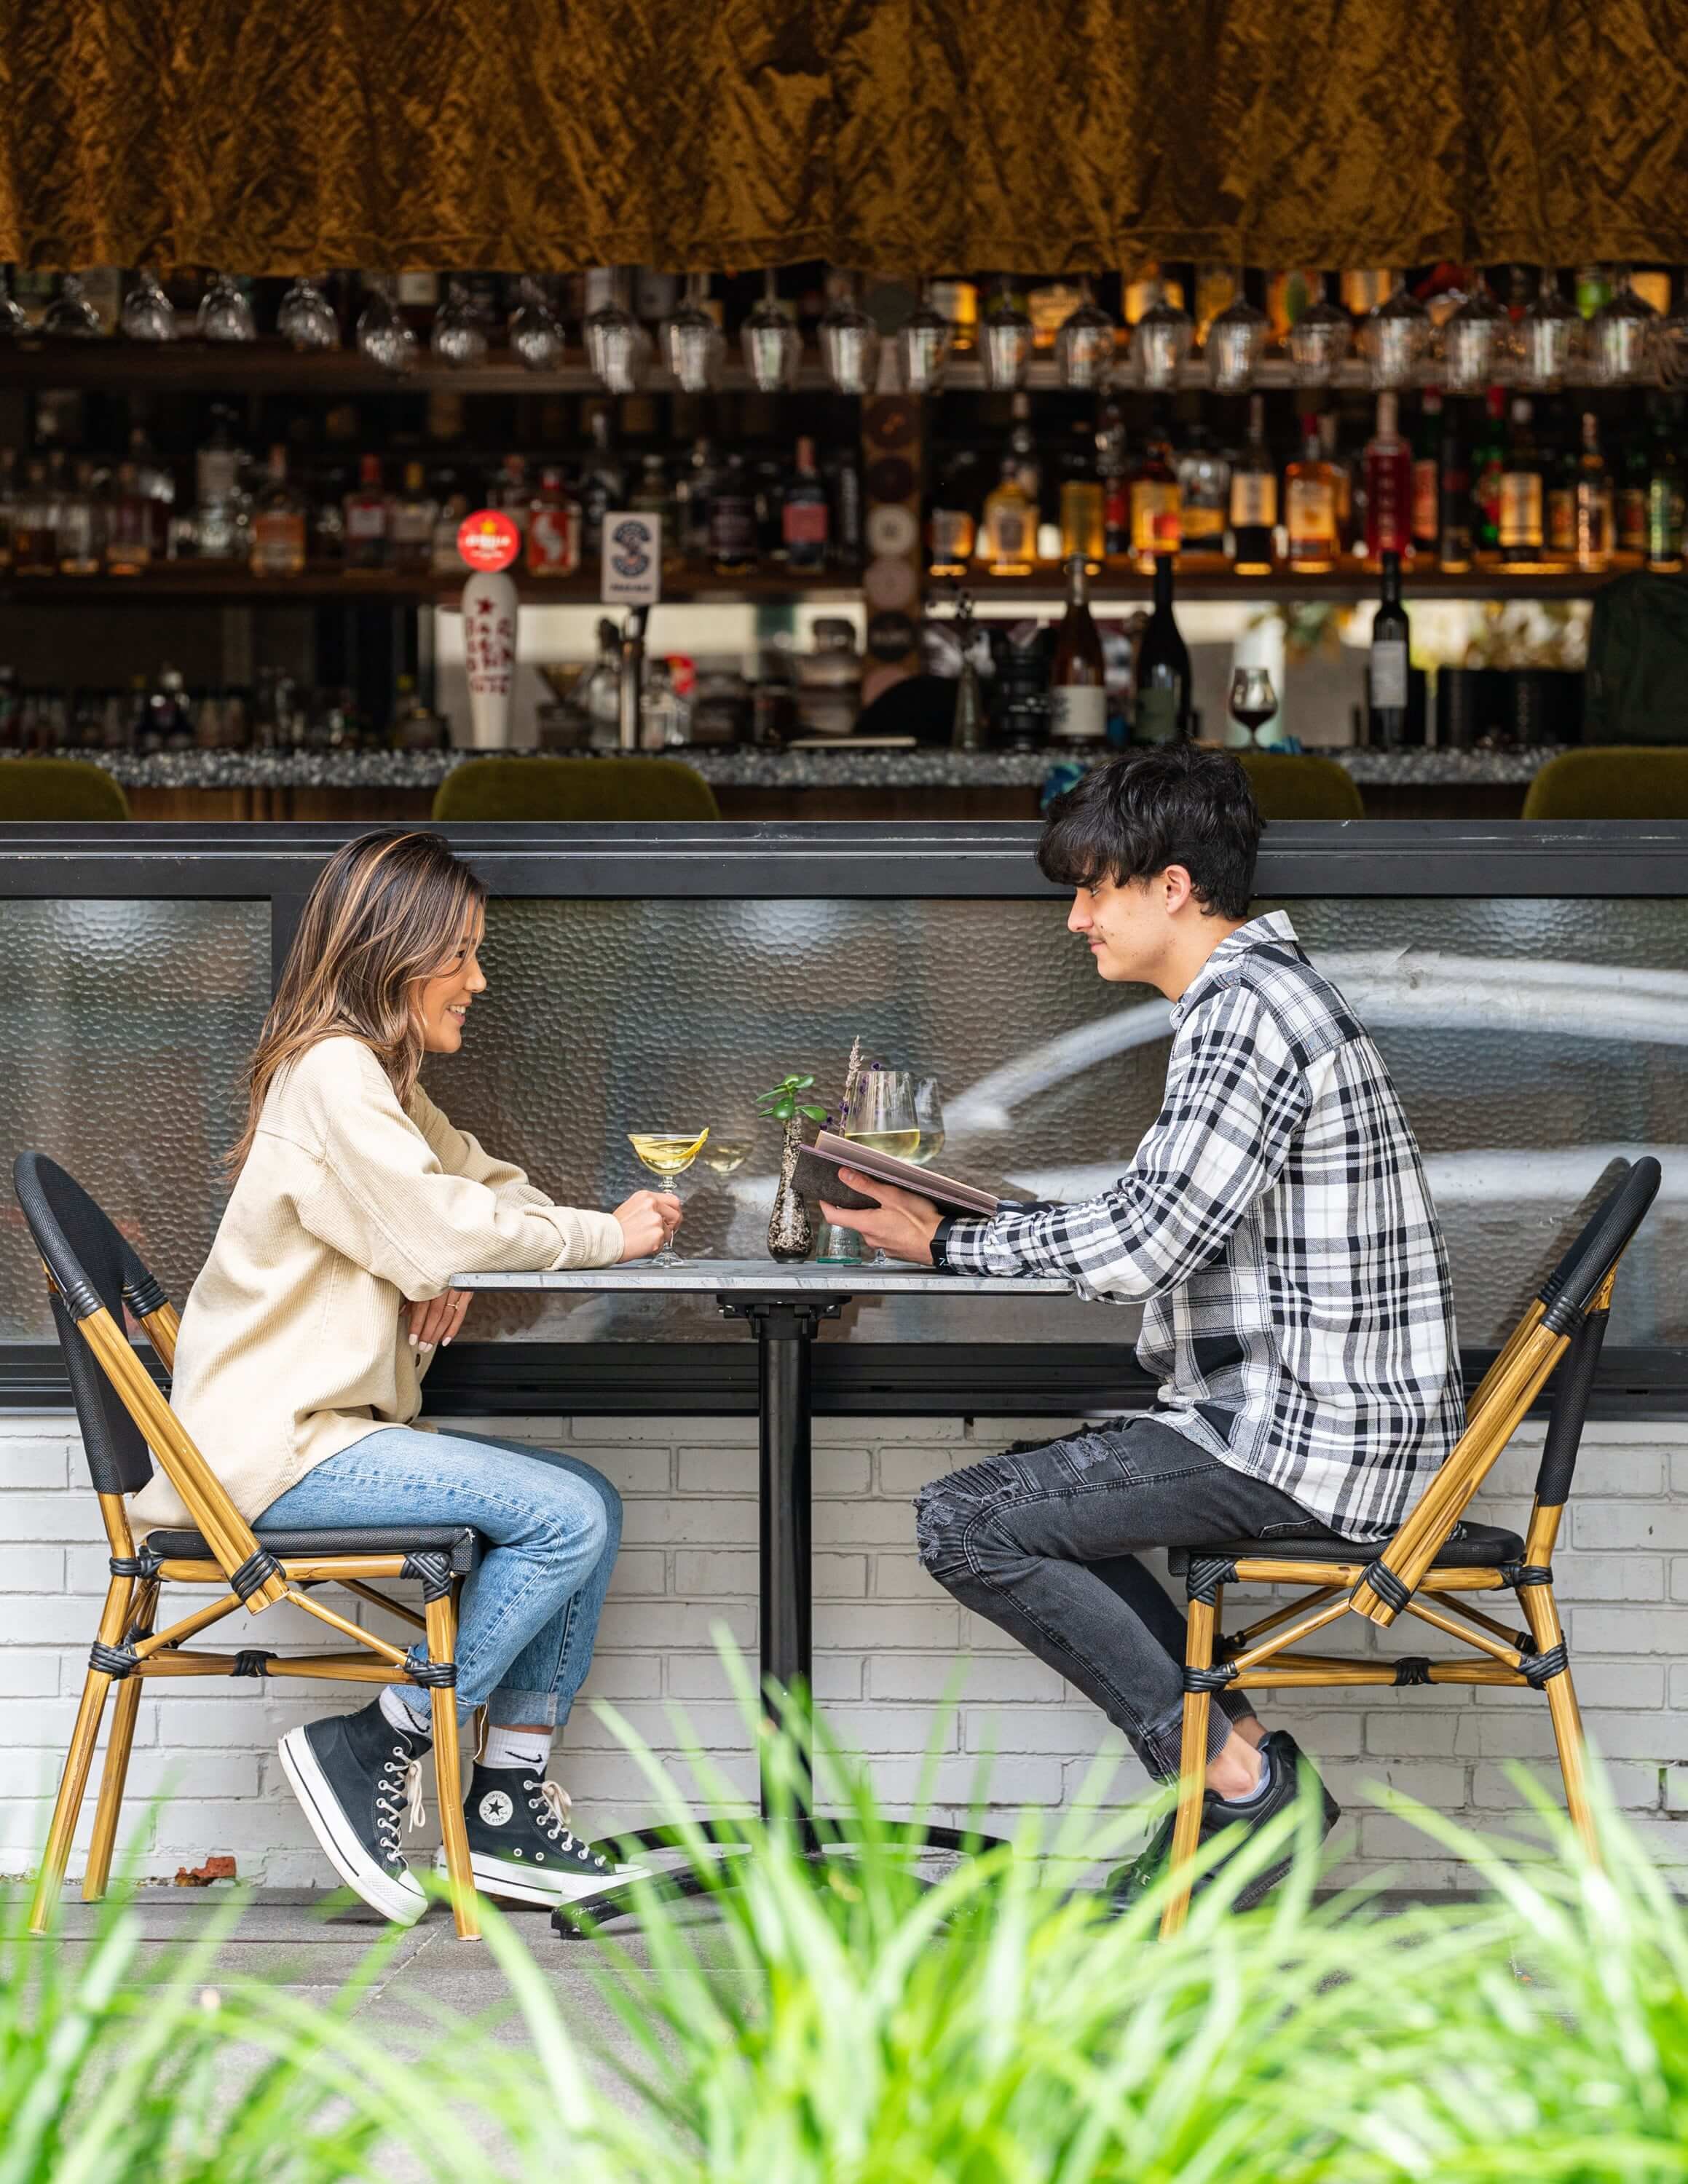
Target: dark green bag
x: 1636, y: 690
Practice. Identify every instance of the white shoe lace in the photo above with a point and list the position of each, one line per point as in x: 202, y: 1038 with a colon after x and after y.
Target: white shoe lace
x: 406, y: 1779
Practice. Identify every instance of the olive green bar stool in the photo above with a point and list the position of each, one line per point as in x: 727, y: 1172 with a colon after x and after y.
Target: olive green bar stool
x: 575, y: 789
x: 1297, y: 785
x: 59, y: 788
x: 1612, y: 781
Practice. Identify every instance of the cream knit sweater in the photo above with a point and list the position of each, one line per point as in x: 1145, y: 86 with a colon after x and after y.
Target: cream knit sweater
x: 293, y: 1341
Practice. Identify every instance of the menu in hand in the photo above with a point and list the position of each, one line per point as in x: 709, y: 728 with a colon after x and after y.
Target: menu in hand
x: 817, y: 1177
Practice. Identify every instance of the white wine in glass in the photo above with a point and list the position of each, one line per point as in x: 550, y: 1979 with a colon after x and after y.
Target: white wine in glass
x: 929, y: 1115
x: 668, y: 1154
x: 726, y: 1156
x: 881, y: 1119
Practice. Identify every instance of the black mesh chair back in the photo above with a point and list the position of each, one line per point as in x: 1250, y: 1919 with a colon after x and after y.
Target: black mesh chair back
x: 91, y: 1265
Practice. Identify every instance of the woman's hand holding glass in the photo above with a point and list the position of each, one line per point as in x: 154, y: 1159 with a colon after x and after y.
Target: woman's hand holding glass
x: 437, y: 1319
x: 648, y: 1220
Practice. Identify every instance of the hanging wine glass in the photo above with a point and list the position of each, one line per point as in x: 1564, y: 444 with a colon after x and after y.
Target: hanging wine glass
x: 693, y: 344
x: 772, y: 347
x: 922, y: 344
x: 1236, y: 341
x: 1394, y: 339
x: 147, y: 314
x: 458, y: 339
x: 70, y: 314
x: 306, y: 321
x: 383, y: 338
x: 13, y: 319
x: 1005, y: 337
x: 849, y: 344
x: 1552, y: 336
x: 1319, y: 340
x: 1620, y: 336
x: 226, y: 312
x: 537, y: 341
x: 1084, y: 346
x: 1161, y: 341
x: 619, y: 349
x: 1476, y: 341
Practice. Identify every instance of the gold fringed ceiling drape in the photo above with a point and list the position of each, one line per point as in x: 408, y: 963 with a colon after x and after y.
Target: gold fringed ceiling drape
x: 283, y: 136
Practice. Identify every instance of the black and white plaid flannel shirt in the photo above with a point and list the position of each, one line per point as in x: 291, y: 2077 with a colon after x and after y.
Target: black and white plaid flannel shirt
x: 1275, y: 1219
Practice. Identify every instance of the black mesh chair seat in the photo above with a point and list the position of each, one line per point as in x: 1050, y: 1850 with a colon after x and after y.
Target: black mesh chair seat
x: 1470, y: 1547
x: 463, y: 1545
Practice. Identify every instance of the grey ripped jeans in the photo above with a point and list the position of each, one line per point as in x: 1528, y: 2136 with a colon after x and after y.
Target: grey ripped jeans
x: 1043, y: 1541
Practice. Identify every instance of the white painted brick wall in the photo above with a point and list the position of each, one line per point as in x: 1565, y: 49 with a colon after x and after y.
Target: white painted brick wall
x: 890, y: 1644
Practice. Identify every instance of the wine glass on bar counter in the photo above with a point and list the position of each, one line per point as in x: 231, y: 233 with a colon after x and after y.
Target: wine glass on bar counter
x: 668, y: 1154
x: 929, y: 1117
x: 1254, y: 702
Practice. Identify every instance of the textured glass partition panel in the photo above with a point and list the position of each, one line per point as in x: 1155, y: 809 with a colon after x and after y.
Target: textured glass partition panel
x: 125, y: 1027
x: 1530, y: 1041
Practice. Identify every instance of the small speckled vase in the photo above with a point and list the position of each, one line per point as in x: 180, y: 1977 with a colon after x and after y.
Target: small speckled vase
x: 790, y: 1232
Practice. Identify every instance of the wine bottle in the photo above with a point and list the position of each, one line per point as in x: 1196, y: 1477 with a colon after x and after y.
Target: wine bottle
x: 1254, y: 498
x: 1162, y: 713
x: 1387, y: 670
x: 1388, y: 484
x: 1078, y: 696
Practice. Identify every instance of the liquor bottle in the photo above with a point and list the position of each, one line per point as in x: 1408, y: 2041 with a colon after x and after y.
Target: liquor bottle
x: 1629, y: 498
x: 652, y: 496
x: 128, y: 542
x: 1111, y: 469
x: 409, y: 535
x: 602, y: 482
x: 1386, y: 681
x: 1350, y: 534
x: 8, y: 503
x: 1559, y: 468
x: 1522, y: 538
x: 35, y: 534
x: 511, y: 492
x: 1310, y: 499
x: 1023, y: 447
x: 80, y: 526
x: 155, y: 481
x: 951, y: 524
x: 694, y: 492
x: 552, y: 547
x: 1010, y: 524
x: 844, y: 483
x: 1082, y: 529
x: 1388, y: 486
x: 1592, y: 538
x: 803, y: 513
x: 1664, y: 503
x: 1487, y: 462
x: 1203, y: 478
x: 1078, y: 694
x: 1254, y: 498
x: 368, y: 517
x: 1156, y: 516
x: 445, y: 560
x: 1427, y: 473
x: 278, y: 523
x: 1161, y: 714
x: 1453, y: 501
x: 732, y: 520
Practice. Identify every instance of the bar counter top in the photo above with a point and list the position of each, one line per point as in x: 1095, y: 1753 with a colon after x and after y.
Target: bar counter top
x: 926, y: 766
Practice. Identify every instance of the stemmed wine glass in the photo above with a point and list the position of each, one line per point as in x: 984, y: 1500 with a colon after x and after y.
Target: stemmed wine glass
x: 882, y: 1118
x: 929, y: 1117
x: 668, y: 1154
x: 1254, y: 701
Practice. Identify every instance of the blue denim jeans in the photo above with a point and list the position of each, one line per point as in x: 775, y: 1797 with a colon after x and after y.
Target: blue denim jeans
x: 529, y: 1613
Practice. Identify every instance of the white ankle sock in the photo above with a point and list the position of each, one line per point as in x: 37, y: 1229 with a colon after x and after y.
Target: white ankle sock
x: 398, y: 1710
x: 516, y: 1747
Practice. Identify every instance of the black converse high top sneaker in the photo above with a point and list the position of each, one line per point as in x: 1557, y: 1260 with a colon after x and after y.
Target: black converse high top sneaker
x: 521, y: 1845
x: 355, y: 1776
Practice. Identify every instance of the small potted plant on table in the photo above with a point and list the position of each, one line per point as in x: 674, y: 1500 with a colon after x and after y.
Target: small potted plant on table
x: 790, y: 1232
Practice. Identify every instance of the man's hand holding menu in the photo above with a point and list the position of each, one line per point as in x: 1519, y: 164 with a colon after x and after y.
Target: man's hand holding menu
x: 902, y: 1222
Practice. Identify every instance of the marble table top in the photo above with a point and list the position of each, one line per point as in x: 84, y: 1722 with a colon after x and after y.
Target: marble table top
x: 767, y: 1277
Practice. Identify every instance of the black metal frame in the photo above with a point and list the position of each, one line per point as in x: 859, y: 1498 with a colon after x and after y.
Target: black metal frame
x: 1596, y: 859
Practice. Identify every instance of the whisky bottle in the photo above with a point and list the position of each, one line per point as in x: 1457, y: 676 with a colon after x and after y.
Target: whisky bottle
x: 278, y: 523
x: 1010, y: 524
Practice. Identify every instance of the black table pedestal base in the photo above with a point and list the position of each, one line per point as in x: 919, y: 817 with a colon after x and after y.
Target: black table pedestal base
x: 785, y: 1327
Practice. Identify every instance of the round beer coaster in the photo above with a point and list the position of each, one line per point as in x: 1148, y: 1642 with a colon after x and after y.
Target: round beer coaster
x: 891, y: 529
x: 892, y: 477
x: 890, y: 636
x: 889, y: 584
x: 488, y: 540
x: 889, y: 423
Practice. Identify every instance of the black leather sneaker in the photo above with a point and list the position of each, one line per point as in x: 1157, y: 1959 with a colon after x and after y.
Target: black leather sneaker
x: 521, y: 1845
x: 1279, y: 1751
x: 356, y: 1775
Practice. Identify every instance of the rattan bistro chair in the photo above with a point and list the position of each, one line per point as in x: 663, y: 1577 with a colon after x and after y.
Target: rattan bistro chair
x: 1437, y: 1554
x: 91, y: 1273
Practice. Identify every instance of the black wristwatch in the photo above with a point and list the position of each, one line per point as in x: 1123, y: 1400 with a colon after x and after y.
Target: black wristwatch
x: 940, y: 1239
